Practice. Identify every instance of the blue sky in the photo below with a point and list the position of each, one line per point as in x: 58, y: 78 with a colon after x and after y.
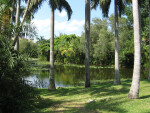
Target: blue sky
x: 62, y: 25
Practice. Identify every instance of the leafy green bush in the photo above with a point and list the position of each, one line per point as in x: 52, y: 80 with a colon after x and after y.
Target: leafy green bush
x: 29, y: 48
x: 42, y: 58
x: 15, y: 93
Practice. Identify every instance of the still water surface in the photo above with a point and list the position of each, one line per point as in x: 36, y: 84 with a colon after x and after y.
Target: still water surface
x: 66, y: 76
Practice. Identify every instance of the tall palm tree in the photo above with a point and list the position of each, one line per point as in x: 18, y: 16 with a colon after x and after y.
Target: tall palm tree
x: 55, y: 4
x: 119, y: 7
x: 87, y: 37
x: 134, y: 90
x: 117, y: 76
x: 17, y: 22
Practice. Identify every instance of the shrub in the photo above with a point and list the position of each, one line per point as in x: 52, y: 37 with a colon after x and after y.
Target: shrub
x: 15, y: 93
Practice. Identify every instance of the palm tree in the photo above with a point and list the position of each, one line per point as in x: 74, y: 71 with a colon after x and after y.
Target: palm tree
x: 35, y: 5
x: 119, y: 7
x: 17, y: 22
x: 55, y: 4
x: 134, y: 90
x: 87, y: 36
x: 23, y: 19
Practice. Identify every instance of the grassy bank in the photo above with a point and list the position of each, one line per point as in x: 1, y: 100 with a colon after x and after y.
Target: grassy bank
x: 102, y: 97
x: 37, y: 65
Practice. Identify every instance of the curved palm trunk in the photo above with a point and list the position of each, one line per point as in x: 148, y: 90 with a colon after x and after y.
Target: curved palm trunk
x: 117, y: 76
x: 87, y: 37
x: 24, y: 16
x: 51, y: 79
x: 17, y: 23
x: 134, y: 90
x: 149, y: 41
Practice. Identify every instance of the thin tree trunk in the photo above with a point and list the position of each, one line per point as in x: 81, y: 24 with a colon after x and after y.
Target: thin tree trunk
x: 17, y: 23
x: 117, y: 76
x: 52, y: 78
x: 87, y: 37
x: 24, y: 16
x: 25, y: 13
x: 149, y: 41
x: 12, y: 12
x: 134, y: 90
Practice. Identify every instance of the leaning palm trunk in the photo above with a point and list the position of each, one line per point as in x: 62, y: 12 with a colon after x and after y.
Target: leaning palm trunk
x: 24, y: 16
x: 117, y: 76
x: 17, y: 23
x: 87, y: 37
x: 149, y: 41
x: 51, y: 79
x: 134, y: 90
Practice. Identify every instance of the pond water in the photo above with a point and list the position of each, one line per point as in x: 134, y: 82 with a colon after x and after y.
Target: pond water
x: 66, y: 76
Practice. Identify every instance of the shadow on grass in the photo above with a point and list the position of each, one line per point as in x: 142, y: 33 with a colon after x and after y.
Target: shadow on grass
x: 43, y: 105
x: 144, y: 97
x: 102, y: 89
x: 107, y: 105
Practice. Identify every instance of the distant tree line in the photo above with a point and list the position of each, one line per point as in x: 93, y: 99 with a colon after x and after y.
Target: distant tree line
x: 70, y: 48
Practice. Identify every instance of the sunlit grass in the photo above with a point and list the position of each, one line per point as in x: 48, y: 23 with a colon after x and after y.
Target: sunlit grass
x: 101, y: 97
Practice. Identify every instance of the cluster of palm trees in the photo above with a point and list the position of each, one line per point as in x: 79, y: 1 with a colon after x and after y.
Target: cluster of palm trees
x: 33, y: 5
x: 119, y: 7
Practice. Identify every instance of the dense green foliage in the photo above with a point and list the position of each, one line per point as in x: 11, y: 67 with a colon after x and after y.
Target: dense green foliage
x: 71, y: 48
x: 66, y: 49
x: 29, y: 48
x: 15, y: 92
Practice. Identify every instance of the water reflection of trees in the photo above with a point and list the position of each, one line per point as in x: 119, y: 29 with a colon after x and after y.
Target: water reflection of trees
x: 66, y: 76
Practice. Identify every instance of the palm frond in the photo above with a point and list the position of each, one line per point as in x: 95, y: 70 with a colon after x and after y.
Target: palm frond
x: 105, y: 5
x: 63, y: 4
x: 120, y: 6
x: 60, y: 5
x: 35, y: 5
x: 94, y: 4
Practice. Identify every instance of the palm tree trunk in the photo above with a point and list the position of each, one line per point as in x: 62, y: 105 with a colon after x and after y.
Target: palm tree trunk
x: 17, y: 23
x: 149, y: 41
x: 51, y: 79
x: 12, y: 12
x: 117, y: 76
x: 87, y: 37
x: 24, y: 15
x: 134, y: 90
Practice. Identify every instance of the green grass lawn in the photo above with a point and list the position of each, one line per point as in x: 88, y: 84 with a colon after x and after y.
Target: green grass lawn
x: 101, y: 97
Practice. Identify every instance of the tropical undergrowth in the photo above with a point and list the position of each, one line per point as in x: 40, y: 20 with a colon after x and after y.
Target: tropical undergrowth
x: 15, y: 93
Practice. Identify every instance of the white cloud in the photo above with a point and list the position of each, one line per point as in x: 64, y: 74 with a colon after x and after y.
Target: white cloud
x: 65, y: 27
x: 62, y: 14
x: 41, y: 24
